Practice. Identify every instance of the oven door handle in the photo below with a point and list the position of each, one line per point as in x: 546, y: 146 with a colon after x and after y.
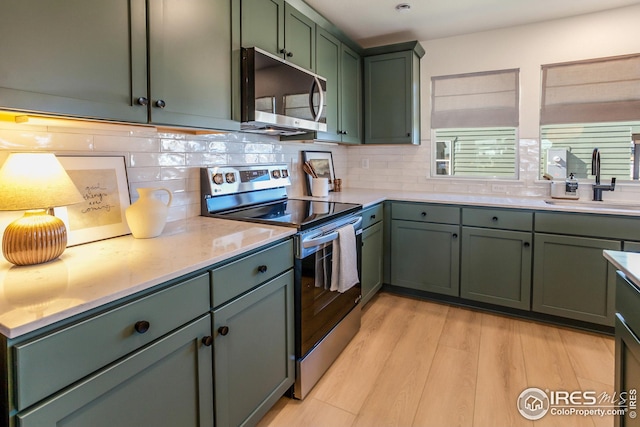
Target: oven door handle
x: 329, y: 237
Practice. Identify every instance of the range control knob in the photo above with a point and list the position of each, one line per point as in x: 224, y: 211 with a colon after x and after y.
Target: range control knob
x: 230, y: 177
x: 218, y: 179
x: 275, y: 173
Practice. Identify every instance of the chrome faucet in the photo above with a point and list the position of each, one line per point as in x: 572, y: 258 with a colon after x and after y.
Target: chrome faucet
x: 595, y: 170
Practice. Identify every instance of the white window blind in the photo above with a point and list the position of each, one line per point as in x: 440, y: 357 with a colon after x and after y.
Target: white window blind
x: 488, y: 99
x: 597, y: 90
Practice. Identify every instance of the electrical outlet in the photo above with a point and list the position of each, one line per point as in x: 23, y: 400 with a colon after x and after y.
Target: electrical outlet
x: 499, y: 188
x: 364, y: 163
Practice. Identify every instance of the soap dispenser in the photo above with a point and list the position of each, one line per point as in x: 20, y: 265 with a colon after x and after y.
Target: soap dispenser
x: 571, y: 186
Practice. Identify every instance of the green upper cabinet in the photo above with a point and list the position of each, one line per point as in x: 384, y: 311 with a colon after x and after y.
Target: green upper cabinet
x: 89, y: 60
x: 190, y: 63
x: 280, y: 29
x: 263, y: 25
x: 392, y: 94
x: 340, y: 65
x: 74, y: 58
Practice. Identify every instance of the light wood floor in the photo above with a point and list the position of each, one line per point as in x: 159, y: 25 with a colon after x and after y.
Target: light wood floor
x: 418, y: 363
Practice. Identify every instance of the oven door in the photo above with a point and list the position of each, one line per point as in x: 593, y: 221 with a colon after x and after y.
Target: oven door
x: 318, y: 309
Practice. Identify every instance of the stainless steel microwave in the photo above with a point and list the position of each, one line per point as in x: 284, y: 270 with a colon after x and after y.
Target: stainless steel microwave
x: 279, y: 97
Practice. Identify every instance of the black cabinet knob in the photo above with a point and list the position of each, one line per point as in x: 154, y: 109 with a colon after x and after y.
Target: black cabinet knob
x: 283, y: 51
x: 423, y: 214
x: 160, y: 103
x: 527, y: 244
x: 373, y: 217
x: 142, y: 101
x: 408, y: 133
x: 262, y: 269
x: 223, y: 330
x: 454, y: 235
x: 494, y: 219
x: 142, y: 326
x: 207, y: 341
x: 289, y: 54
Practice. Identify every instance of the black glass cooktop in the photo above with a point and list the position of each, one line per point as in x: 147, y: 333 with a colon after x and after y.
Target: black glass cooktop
x: 302, y: 214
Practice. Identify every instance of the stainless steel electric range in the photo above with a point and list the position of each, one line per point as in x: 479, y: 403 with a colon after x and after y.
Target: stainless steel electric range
x: 325, y: 320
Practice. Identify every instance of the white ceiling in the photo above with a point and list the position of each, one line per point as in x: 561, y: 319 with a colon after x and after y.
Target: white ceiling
x: 376, y: 22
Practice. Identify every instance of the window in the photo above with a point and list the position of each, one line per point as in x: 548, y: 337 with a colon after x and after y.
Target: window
x: 474, y: 118
x: 586, y: 105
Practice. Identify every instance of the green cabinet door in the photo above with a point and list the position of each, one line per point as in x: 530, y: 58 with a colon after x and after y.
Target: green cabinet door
x: 572, y: 279
x: 74, y: 58
x: 168, y: 383
x: 190, y: 63
x: 496, y: 267
x: 299, y: 38
x: 350, y: 96
x: 425, y: 256
x: 392, y: 98
x: 263, y: 25
x: 371, y: 281
x: 254, y: 352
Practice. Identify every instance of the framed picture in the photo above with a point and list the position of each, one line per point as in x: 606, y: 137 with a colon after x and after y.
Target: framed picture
x: 322, y: 162
x: 102, y: 181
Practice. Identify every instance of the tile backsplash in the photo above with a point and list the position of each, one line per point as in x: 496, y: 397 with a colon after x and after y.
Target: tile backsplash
x: 163, y: 158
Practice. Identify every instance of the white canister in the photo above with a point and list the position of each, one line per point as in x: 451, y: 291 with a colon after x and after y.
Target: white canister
x: 148, y: 215
x: 320, y: 187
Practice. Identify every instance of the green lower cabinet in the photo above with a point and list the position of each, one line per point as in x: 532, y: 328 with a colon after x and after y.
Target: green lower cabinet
x: 167, y: 383
x: 372, y: 259
x: 425, y: 256
x: 496, y: 267
x: 254, y: 352
x: 572, y: 279
x: 631, y: 246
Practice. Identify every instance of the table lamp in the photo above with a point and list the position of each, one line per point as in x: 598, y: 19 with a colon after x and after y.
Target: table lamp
x: 35, y: 182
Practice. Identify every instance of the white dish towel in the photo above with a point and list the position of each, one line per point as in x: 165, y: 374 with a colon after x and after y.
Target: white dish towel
x: 345, y: 260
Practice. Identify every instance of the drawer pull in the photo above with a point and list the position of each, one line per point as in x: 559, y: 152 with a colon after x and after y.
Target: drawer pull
x: 207, y: 341
x: 527, y: 244
x: 494, y: 219
x: 262, y: 269
x: 373, y: 217
x: 454, y: 235
x: 423, y: 214
x: 142, y: 326
x: 223, y: 330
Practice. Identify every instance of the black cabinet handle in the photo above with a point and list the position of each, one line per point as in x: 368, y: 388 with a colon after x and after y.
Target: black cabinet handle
x: 142, y: 101
x: 408, y: 133
x: 142, y: 326
x: 262, y: 269
x: 373, y: 217
x: 527, y: 244
x: 207, y: 341
x: 160, y: 103
x: 494, y: 219
x: 289, y: 54
x: 223, y: 330
x: 454, y: 235
x: 423, y: 214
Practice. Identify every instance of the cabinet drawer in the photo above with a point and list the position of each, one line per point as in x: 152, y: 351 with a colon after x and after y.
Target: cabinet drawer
x: 627, y: 301
x: 372, y: 215
x: 590, y: 225
x: 246, y: 273
x: 48, y: 364
x: 426, y: 213
x: 497, y: 218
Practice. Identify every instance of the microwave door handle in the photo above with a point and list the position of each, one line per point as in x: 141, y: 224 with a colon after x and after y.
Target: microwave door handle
x: 316, y: 83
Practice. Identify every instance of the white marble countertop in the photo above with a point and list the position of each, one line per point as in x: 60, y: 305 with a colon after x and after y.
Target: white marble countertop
x: 368, y: 197
x: 94, y: 274
x: 627, y: 262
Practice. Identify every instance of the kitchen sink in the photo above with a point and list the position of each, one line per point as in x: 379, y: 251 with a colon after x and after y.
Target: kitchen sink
x: 632, y: 206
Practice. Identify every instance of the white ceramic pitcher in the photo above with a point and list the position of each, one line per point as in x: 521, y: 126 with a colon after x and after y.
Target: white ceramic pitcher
x: 148, y: 215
